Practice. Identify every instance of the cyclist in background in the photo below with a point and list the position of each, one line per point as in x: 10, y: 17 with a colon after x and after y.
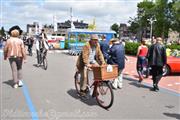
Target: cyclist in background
x: 41, y: 45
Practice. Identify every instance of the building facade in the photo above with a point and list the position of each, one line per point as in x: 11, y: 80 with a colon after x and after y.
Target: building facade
x: 35, y: 28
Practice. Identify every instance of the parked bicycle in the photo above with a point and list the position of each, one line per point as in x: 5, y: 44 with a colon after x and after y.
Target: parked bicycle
x: 100, y: 87
x: 43, y: 58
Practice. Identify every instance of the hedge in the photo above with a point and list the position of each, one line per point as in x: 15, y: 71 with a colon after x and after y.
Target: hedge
x: 131, y: 48
x: 173, y: 47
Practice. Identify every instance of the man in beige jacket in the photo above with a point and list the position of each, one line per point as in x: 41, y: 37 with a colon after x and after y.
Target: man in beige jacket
x: 91, y: 54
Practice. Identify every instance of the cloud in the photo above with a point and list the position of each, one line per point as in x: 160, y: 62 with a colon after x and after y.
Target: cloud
x: 105, y: 12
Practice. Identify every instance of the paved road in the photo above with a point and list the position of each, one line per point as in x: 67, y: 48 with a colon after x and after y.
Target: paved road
x: 50, y: 95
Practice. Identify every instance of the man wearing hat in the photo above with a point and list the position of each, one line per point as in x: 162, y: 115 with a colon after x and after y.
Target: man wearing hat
x: 14, y: 51
x: 91, y: 54
x: 117, y: 56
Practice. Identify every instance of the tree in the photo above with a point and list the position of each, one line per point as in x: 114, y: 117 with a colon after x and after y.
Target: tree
x: 134, y: 25
x: 164, y: 11
x: 2, y: 32
x: 175, y: 8
x: 115, y: 27
x: 163, y: 18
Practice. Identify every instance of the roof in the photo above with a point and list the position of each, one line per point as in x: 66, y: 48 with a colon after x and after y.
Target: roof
x: 86, y: 31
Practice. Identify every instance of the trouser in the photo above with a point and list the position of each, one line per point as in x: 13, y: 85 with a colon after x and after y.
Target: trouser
x: 30, y: 49
x: 39, y: 53
x: 118, y: 81
x: 141, y: 62
x: 16, y: 67
x: 120, y: 77
x: 157, y: 72
x: 83, y: 79
x: 38, y: 56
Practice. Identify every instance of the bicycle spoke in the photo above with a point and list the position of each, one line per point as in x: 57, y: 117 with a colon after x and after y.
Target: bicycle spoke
x: 104, y: 95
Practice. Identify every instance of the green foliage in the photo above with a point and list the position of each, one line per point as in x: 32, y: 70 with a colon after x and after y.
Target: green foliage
x: 175, y: 15
x: 173, y: 47
x: 115, y: 27
x: 165, y: 12
x: 131, y: 48
x: 134, y: 25
x: 2, y: 32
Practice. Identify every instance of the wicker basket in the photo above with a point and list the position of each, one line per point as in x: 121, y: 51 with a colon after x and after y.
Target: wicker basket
x: 101, y: 72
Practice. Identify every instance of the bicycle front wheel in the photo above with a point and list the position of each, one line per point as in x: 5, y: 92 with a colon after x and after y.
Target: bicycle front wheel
x: 77, y: 82
x: 104, y: 94
x: 45, y: 63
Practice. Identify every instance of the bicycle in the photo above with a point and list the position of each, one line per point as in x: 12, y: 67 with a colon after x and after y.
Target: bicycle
x: 101, y: 87
x: 43, y: 58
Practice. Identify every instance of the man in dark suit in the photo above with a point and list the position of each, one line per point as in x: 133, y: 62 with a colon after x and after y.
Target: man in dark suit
x: 157, y: 59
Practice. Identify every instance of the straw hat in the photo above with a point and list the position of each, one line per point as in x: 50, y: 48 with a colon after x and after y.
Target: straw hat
x: 94, y: 37
x: 114, y: 40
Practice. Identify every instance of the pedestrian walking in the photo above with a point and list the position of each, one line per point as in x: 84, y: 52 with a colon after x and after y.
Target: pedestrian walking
x: 157, y: 59
x: 14, y: 51
x: 117, y: 56
x: 30, y: 42
x: 141, y: 59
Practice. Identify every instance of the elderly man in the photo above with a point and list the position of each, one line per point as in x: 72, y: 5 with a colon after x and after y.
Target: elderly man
x: 117, y: 56
x: 91, y: 54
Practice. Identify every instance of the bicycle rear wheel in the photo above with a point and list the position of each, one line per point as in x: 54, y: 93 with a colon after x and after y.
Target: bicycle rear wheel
x: 45, y: 63
x: 104, y: 94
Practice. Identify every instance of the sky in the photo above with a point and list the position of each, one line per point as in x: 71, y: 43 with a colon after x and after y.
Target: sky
x: 105, y: 12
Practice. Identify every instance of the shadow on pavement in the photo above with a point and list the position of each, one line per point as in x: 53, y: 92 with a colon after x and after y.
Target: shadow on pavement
x: 35, y: 65
x: 137, y: 84
x: 173, y: 115
x: 89, y: 100
x: 174, y: 74
x: 9, y: 82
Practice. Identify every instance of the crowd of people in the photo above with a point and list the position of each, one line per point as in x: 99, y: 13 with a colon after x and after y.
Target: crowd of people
x: 93, y: 53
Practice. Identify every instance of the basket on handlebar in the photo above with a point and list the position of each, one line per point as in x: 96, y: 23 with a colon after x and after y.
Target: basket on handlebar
x: 102, y: 72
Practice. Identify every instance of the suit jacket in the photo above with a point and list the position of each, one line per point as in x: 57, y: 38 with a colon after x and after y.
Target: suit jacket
x: 117, y: 55
x: 83, y: 59
x: 157, y: 55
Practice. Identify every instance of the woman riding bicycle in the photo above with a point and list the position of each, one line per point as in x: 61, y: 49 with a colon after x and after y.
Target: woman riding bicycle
x: 91, y: 54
